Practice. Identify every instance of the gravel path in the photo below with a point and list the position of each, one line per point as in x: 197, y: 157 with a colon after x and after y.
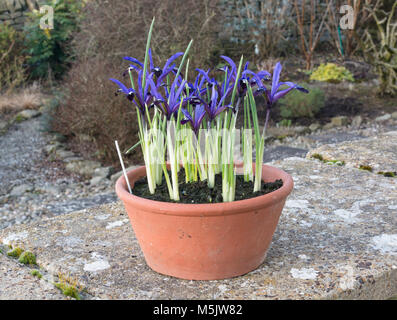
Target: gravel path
x: 32, y: 186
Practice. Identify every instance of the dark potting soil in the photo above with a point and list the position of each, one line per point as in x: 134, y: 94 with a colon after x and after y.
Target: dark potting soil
x: 198, y: 192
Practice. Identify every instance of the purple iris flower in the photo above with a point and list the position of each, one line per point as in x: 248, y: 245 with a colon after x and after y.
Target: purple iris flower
x: 276, y: 94
x: 195, y: 119
x: 140, y: 97
x: 205, y: 76
x: 253, y: 79
x: 225, y: 86
x: 129, y: 92
x: 197, y: 90
x: 247, y: 77
x: 215, y: 105
x: 169, y: 105
x: 161, y: 73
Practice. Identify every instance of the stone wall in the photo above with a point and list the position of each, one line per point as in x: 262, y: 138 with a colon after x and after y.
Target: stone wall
x: 15, y: 12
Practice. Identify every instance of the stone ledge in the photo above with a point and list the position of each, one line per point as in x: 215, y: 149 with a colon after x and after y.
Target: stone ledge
x: 336, y: 239
x: 378, y: 153
x: 18, y: 284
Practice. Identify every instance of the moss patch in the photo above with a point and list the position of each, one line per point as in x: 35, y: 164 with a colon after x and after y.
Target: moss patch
x: 15, y: 253
x: 317, y: 156
x: 366, y: 168
x: 27, y: 257
x: 69, y: 286
x: 327, y: 161
x: 68, y: 290
x: 337, y: 162
x: 19, y: 118
x: 36, y: 273
x: 388, y: 174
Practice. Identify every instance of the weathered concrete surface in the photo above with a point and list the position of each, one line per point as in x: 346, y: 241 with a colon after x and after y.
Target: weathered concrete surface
x: 378, y: 152
x: 282, y: 152
x: 19, y: 284
x: 334, y: 137
x: 337, y: 238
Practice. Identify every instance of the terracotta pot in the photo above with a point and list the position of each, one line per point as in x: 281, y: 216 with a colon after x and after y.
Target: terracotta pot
x: 205, y: 241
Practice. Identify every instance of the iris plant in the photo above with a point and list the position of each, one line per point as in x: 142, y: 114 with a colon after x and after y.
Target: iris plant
x: 194, y: 124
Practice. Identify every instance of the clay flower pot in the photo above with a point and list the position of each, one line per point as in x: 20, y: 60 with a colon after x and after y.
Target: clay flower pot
x: 205, y: 241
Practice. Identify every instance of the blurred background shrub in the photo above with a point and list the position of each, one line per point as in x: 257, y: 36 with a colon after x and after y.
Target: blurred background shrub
x: 380, y: 47
x: 110, y: 31
x: 113, y: 29
x: 296, y: 105
x: 48, y: 50
x: 331, y: 72
x: 12, y: 58
x: 91, y: 116
x: 265, y: 28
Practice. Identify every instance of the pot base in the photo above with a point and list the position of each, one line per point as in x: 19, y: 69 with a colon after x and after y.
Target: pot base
x: 234, y: 271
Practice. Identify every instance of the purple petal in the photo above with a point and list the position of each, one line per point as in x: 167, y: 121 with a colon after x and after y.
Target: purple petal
x: 150, y: 59
x: 230, y: 62
x: 207, y: 109
x: 199, y: 114
x: 205, y: 76
x: 214, y: 100
x: 187, y: 115
x: 154, y: 91
x: 281, y: 94
x: 276, y: 78
x: 227, y: 93
x: 170, y: 60
x: 134, y: 61
x: 122, y: 86
x: 258, y: 81
x: 221, y: 109
x: 260, y: 91
x: 163, y: 75
x: 294, y: 85
x: 263, y: 74
x: 182, y: 86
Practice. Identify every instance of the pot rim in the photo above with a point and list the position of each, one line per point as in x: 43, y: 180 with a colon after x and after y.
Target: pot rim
x: 203, y: 209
